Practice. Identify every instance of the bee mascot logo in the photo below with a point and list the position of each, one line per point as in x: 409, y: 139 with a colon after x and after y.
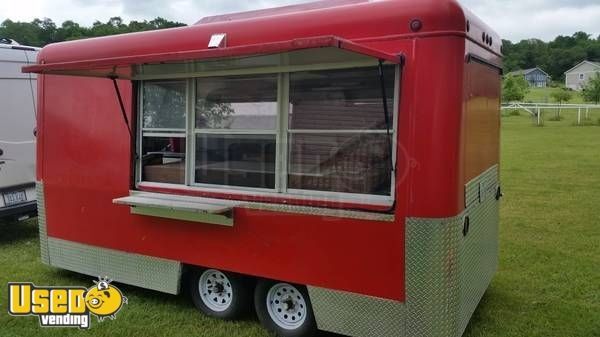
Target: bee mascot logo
x: 66, y: 306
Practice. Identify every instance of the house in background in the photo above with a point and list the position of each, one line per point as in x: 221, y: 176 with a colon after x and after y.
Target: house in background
x: 578, y: 76
x: 536, y: 77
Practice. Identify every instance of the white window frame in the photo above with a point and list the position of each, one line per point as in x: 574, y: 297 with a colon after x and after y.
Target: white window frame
x: 281, y: 132
x: 581, y: 76
x: 158, y: 132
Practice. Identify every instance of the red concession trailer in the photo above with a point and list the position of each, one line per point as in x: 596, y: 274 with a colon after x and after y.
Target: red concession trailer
x: 334, y: 163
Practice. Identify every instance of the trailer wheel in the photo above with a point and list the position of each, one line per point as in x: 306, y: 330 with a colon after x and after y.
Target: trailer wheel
x: 220, y: 294
x: 284, y: 309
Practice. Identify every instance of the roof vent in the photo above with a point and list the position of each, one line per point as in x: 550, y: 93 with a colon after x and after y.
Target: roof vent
x: 218, y: 41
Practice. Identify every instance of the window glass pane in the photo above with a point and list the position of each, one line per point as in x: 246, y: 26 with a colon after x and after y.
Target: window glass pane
x: 164, y: 105
x: 348, y: 99
x: 349, y: 163
x: 237, y: 102
x: 163, y: 160
x: 236, y: 160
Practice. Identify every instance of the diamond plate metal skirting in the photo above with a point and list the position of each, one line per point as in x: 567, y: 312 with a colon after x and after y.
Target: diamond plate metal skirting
x: 357, y: 315
x: 138, y: 270
x: 447, y: 272
x: 41, y: 206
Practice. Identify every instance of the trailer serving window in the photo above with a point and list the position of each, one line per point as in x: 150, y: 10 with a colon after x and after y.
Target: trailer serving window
x: 297, y: 117
x: 315, y: 133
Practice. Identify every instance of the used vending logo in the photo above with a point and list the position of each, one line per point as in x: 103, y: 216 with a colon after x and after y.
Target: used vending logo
x: 66, y: 306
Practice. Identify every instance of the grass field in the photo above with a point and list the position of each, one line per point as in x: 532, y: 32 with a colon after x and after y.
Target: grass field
x: 543, y: 95
x: 548, y: 283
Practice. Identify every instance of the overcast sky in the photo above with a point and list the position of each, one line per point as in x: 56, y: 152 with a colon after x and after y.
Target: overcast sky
x: 513, y: 19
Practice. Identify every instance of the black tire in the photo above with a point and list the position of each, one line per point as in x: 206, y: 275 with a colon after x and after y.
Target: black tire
x: 241, y: 295
x: 308, y: 327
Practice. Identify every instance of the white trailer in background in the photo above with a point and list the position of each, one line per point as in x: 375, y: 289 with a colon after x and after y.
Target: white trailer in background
x: 18, y: 94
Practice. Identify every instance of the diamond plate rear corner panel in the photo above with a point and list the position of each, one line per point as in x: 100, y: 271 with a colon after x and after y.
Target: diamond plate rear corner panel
x: 138, y: 270
x: 357, y: 315
x: 448, y: 272
x: 479, y: 249
x: 41, y: 206
x: 432, y: 276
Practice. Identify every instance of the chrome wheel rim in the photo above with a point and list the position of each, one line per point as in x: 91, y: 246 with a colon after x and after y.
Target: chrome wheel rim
x: 215, y: 290
x: 286, y: 306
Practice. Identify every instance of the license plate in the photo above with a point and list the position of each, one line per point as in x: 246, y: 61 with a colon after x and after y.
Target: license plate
x: 14, y: 198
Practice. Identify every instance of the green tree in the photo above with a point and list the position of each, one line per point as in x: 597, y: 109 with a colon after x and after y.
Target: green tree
x: 561, y: 96
x: 160, y: 23
x: 554, y: 57
x: 41, y: 32
x: 514, y: 89
x: 70, y: 30
x: 591, y: 91
x: 25, y: 33
x: 46, y: 30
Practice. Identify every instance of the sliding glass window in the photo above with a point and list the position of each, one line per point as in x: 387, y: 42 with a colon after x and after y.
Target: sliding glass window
x: 338, y: 131
x: 313, y: 132
x: 163, y: 143
x: 236, y: 131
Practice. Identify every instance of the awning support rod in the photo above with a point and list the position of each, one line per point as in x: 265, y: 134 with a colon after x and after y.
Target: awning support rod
x: 118, y: 92
x: 387, y: 117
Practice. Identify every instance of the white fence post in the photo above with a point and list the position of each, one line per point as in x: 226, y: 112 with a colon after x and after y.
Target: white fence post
x: 587, y: 112
x: 579, y: 116
x: 539, y: 116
